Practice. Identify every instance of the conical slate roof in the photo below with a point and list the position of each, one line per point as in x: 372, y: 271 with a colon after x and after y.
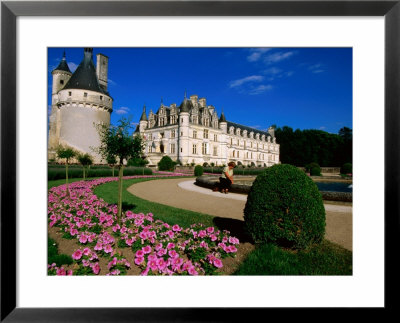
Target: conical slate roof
x: 143, y: 117
x: 222, y: 118
x: 85, y: 77
x: 63, y: 66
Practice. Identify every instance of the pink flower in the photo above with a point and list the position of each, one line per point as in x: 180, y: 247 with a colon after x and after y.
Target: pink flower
x: 139, y: 260
x: 83, y: 238
x: 173, y: 254
x: 80, y: 213
x: 218, y: 263
x: 192, y: 271
x: 170, y: 245
x: 153, y: 265
x: 176, y: 228
x: 139, y: 253
x: 152, y: 257
x: 143, y: 235
x: 108, y: 249
x: 86, y: 251
x: 61, y: 272
x: 161, y: 252
x: 210, y: 229
x: 161, y: 264
x: 213, y: 237
x: 202, y: 233
x: 146, y: 249
x: 98, y: 246
x: 77, y: 254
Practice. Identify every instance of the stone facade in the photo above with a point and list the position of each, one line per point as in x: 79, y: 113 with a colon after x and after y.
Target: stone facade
x: 193, y: 133
x: 79, y: 102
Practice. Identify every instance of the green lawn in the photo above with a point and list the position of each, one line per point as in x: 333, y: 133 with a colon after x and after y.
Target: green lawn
x: 324, y: 259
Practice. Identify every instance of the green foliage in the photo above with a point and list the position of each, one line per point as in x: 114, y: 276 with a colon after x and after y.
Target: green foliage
x: 166, y: 164
x: 313, y: 169
x: 85, y: 159
x: 55, y: 173
x: 301, y: 147
x: 117, y: 143
x: 65, y: 153
x: 284, y: 206
x: 54, y: 257
x: 138, y: 162
x: 198, y: 170
x: 346, y: 168
x: 205, y: 164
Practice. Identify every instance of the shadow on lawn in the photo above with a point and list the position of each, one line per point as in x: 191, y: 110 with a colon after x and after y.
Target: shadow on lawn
x: 235, y: 227
x: 128, y: 206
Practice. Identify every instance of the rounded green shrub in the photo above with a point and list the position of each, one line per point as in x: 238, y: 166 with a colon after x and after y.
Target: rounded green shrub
x: 313, y: 169
x: 284, y: 206
x: 198, y: 170
x: 166, y: 163
x: 346, y: 168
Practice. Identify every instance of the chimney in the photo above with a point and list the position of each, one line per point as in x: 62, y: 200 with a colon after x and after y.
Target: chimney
x: 102, y: 70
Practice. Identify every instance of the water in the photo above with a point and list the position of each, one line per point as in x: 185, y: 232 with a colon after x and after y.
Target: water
x: 335, y: 187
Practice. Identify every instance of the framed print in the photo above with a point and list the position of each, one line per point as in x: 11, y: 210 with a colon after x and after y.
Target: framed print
x: 29, y: 29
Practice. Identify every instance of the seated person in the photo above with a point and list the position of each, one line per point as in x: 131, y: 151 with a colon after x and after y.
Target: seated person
x: 226, y: 179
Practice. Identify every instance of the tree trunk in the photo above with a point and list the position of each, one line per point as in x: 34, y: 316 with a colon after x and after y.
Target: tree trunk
x: 113, y: 171
x: 83, y: 172
x: 120, y: 175
x: 66, y: 177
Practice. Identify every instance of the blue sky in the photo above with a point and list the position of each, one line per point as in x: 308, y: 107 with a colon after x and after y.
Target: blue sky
x: 303, y: 88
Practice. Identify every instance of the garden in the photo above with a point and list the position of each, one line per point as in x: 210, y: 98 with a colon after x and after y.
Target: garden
x: 96, y: 227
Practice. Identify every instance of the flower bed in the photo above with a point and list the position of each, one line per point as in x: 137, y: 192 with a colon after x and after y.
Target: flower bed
x: 157, y: 248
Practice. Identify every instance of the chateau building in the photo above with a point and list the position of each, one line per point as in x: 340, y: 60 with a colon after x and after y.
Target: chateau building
x: 193, y: 133
x: 80, y: 101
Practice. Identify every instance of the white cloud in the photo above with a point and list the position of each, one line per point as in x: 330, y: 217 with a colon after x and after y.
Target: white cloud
x: 322, y: 128
x: 277, y: 57
x: 122, y: 110
x: 111, y: 82
x: 260, y: 89
x: 273, y: 71
x: 252, y: 78
x: 256, y: 54
x: 316, y: 68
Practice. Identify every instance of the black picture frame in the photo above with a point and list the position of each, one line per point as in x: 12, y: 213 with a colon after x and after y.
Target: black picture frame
x: 10, y: 10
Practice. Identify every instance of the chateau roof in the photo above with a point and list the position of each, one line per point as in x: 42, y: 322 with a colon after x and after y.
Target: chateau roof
x: 186, y: 105
x: 85, y: 77
x: 249, y: 129
x: 143, y: 117
x: 63, y: 66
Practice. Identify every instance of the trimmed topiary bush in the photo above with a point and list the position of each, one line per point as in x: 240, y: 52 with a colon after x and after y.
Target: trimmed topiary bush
x: 284, y: 206
x: 166, y: 163
x: 198, y: 170
x: 313, y: 169
x: 346, y: 168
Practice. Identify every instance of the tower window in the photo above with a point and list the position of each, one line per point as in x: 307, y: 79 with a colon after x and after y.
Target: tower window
x: 101, y: 97
x: 61, y: 81
x: 69, y: 93
x: 85, y: 95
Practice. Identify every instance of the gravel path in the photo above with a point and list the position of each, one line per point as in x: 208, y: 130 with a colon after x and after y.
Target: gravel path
x: 182, y: 193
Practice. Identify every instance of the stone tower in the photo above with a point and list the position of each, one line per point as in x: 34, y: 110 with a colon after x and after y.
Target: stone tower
x: 80, y: 101
x: 183, y: 130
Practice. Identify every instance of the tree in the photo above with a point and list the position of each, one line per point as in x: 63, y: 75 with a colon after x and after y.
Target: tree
x: 85, y: 160
x: 66, y: 153
x: 111, y: 161
x: 115, y: 141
